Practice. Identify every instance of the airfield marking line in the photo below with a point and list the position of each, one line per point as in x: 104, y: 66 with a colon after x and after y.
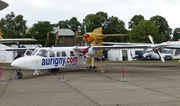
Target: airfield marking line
x: 79, y: 91
x: 142, y: 86
x: 155, y: 91
x: 6, y: 85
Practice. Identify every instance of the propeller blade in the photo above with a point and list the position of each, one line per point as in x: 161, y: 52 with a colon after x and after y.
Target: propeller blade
x: 147, y: 53
x: 151, y: 39
x: 162, y: 58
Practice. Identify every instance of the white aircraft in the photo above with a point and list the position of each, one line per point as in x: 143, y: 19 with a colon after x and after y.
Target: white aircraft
x: 58, y: 57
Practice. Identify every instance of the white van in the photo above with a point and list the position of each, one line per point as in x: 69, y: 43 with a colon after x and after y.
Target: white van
x: 176, y: 54
x: 167, y: 54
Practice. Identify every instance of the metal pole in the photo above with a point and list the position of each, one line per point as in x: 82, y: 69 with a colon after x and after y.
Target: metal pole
x: 1, y: 77
x: 123, y: 79
x: 63, y: 80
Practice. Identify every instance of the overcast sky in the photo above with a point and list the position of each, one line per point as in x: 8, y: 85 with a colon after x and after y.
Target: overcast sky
x: 56, y: 10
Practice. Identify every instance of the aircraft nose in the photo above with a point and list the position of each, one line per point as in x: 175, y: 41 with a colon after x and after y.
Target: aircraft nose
x: 19, y: 63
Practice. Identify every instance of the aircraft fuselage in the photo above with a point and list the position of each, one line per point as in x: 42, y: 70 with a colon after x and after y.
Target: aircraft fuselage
x: 55, y: 57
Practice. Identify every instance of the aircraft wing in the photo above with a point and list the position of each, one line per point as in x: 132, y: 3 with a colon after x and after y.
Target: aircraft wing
x: 120, y: 47
x: 18, y: 49
x: 172, y: 47
x: 130, y: 46
x: 78, y: 48
x: 3, y: 5
x: 16, y: 40
x: 123, y: 43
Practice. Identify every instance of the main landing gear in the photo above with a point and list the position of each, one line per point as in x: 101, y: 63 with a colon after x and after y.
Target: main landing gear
x: 19, y: 74
x: 91, y: 69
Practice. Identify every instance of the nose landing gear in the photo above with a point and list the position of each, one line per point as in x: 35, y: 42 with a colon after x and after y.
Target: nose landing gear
x: 19, y: 74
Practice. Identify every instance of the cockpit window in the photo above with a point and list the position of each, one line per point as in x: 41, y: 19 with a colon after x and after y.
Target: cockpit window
x: 28, y: 52
x: 34, y: 52
x: 42, y: 53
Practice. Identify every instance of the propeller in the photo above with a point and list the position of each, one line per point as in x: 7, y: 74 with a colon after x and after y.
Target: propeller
x: 156, y: 50
x: 84, y: 43
x: 160, y: 55
x: 151, y: 39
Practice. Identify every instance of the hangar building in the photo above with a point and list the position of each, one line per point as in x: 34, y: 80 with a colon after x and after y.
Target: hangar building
x: 66, y: 36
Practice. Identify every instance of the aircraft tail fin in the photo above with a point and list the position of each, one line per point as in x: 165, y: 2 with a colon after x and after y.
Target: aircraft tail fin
x: 98, y: 30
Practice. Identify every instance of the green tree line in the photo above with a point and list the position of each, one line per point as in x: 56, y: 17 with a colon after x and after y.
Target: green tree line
x: 14, y: 26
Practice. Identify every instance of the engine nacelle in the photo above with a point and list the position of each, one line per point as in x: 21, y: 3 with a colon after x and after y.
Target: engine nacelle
x: 88, y: 37
x: 91, y: 52
x: 84, y: 51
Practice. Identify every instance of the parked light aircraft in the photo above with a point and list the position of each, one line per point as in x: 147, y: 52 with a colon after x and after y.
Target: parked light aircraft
x: 58, y: 57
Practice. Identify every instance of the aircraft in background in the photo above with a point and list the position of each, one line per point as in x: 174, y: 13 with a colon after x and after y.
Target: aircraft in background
x: 3, y: 5
x: 156, y: 49
x: 11, y: 40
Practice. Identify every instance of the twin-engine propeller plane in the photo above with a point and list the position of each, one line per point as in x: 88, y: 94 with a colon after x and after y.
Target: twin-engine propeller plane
x: 58, y: 57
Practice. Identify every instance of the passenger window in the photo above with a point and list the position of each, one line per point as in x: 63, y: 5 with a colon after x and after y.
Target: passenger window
x: 71, y: 53
x: 58, y: 54
x: 51, y: 54
x: 63, y: 54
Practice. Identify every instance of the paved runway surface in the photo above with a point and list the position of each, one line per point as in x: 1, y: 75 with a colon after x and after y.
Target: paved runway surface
x: 148, y: 84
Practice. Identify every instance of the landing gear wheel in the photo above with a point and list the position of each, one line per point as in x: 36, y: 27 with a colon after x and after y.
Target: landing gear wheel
x: 20, y: 75
x: 92, y: 69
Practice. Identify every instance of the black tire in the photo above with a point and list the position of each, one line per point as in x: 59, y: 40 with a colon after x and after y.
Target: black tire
x: 20, y: 75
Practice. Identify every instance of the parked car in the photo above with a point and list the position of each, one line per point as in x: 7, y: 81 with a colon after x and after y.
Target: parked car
x: 167, y: 54
x: 150, y: 56
x: 139, y: 54
x: 100, y: 57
